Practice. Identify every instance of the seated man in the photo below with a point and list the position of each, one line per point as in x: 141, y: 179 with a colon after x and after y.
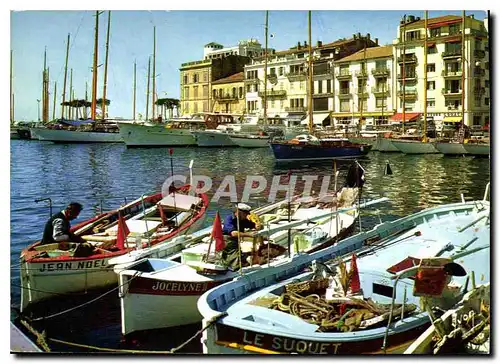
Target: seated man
x: 231, y: 253
x: 57, y: 229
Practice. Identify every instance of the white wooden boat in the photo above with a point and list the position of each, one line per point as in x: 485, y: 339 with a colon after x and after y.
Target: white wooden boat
x: 246, y: 140
x: 414, y: 147
x: 450, y: 148
x: 47, y: 270
x: 240, y: 316
x: 478, y: 149
x: 65, y: 135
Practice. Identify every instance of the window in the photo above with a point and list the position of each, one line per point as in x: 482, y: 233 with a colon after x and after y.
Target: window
x: 195, y: 78
x: 320, y: 87
x: 344, y: 105
x: 380, y: 102
x: 214, y: 94
x: 249, y: 88
x: 476, y: 120
x: 431, y: 67
x: 486, y: 83
x: 186, y: 107
x: 234, y: 92
x: 363, y: 104
x: 186, y: 92
x: 455, y: 29
x: 185, y: 79
x: 272, y: 71
x: 431, y: 102
x: 320, y: 104
x: 486, y: 101
x: 281, y: 71
x: 195, y: 109
x: 431, y: 49
x: 413, y: 35
x: 302, y: 84
x: 431, y: 85
x: 329, y: 86
x: 477, y: 101
x: 453, y: 104
x: 205, y: 76
x: 205, y: 90
x: 272, y: 103
x: 241, y: 92
x: 281, y: 104
x: 436, y: 32
x: 292, y: 85
x: 255, y: 88
x: 195, y: 91
x: 205, y: 106
x: 380, y: 64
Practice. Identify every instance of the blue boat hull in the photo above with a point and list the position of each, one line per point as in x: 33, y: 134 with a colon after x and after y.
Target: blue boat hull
x: 291, y: 152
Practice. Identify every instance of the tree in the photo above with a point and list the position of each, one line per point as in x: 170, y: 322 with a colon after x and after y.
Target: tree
x: 167, y: 103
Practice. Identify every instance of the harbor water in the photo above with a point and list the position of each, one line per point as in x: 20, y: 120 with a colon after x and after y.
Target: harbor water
x: 105, y: 176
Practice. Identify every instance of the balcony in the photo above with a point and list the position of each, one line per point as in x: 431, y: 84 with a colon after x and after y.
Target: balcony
x: 322, y: 94
x: 272, y: 77
x: 226, y: 97
x: 322, y: 71
x: 478, y: 72
x: 273, y: 93
x: 450, y: 74
x: 456, y: 53
x: 408, y: 76
x: 343, y: 74
x: 381, y: 91
x: 479, y: 90
x: 381, y: 72
x: 361, y: 91
x: 296, y: 75
x: 479, y: 53
x: 454, y: 108
x: 480, y: 33
x: 296, y: 109
x: 408, y: 58
x: 408, y: 93
x: 251, y: 81
x: 361, y: 74
x: 343, y: 92
x: 451, y: 92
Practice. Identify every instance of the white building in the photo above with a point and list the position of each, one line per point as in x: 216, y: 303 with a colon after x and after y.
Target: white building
x: 248, y: 48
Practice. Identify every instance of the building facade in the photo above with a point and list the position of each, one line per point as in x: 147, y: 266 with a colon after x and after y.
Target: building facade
x: 228, y: 94
x: 364, y: 87
x: 444, y: 70
x: 287, y: 86
x: 249, y: 48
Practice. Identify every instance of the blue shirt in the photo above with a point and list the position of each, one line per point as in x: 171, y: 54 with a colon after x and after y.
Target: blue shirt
x: 231, y: 224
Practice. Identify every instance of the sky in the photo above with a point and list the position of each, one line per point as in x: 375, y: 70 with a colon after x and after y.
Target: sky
x: 180, y: 37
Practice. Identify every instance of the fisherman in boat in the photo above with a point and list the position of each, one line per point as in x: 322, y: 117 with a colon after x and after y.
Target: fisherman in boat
x: 234, y: 228
x: 57, y: 229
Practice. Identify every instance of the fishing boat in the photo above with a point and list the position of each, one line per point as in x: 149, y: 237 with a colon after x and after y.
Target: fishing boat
x: 48, y: 270
x: 451, y: 148
x: 477, y: 149
x: 93, y: 132
x: 148, y: 285
x: 465, y: 328
x: 363, y: 311
x: 414, y: 147
x: 175, y: 132
x: 308, y: 146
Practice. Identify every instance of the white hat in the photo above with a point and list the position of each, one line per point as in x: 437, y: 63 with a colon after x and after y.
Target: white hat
x: 243, y: 207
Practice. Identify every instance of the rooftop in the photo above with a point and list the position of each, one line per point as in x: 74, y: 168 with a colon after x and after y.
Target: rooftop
x: 237, y: 77
x: 371, y: 53
x: 430, y: 21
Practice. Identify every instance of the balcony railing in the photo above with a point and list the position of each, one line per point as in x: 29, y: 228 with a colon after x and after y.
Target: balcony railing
x: 361, y: 74
x: 446, y: 73
x: 409, y: 58
x: 296, y: 109
x: 408, y: 76
x: 343, y: 92
x: 297, y: 75
x: 322, y: 71
x: 273, y: 93
x: 380, y: 90
x: 381, y: 72
x: 407, y: 93
x: 451, y: 92
x: 452, y: 54
x: 454, y: 108
x: 478, y: 53
x: 361, y: 90
x: 272, y: 76
x: 251, y: 80
x: 343, y: 74
x: 479, y: 90
x: 226, y: 97
x: 478, y: 72
x: 478, y: 32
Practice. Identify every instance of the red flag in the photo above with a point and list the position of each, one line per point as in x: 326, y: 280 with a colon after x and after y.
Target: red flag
x: 123, y: 232
x: 355, y: 284
x: 217, y: 233
x: 170, y: 151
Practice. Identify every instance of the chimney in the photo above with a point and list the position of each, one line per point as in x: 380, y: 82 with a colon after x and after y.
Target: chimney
x: 359, y: 35
x: 298, y: 45
x: 320, y: 43
x: 368, y: 36
x: 472, y: 16
x: 354, y: 36
x: 376, y: 41
x: 305, y: 44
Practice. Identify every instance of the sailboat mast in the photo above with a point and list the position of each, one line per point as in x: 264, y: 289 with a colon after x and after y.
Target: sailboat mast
x: 147, y: 91
x: 65, y: 77
x: 363, y: 84
x: 71, y: 97
x: 106, y: 69
x: 403, y: 74
x: 11, y: 92
x: 46, y: 105
x: 86, y: 98
x: 94, y: 69
x: 154, y: 74
x: 135, y: 83
x: 425, y: 77
x: 54, y: 104
x: 463, y: 69
x: 265, y: 70
x: 310, y: 103
x: 43, y: 82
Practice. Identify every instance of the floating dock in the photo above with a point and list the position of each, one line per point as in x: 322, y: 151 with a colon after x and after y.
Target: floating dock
x: 20, y: 343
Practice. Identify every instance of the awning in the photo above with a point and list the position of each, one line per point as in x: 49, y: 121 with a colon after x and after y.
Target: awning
x: 317, y: 119
x: 409, y: 116
x: 452, y: 119
x: 295, y: 116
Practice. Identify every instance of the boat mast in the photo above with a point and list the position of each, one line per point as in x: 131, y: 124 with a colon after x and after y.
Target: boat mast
x: 404, y: 73
x: 463, y: 71
x: 147, y: 91
x: 94, y: 69
x: 44, y: 86
x: 310, y: 103
x: 54, y: 105
x: 71, y: 96
x: 154, y: 74
x: 363, y: 84
x: 11, y: 92
x: 86, y: 97
x: 133, y: 107
x: 265, y: 70
x: 106, y: 69
x: 424, y: 139
x: 65, y: 77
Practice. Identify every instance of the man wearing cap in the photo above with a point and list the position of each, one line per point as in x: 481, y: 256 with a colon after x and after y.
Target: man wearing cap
x: 57, y: 229
x: 231, y: 253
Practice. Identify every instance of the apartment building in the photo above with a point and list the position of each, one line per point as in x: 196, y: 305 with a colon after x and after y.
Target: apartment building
x: 287, y: 86
x: 364, y: 87
x: 228, y: 95
x: 248, y: 48
x: 444, y: 70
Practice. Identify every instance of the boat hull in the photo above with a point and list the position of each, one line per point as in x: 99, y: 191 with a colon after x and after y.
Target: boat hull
x: 414, y: 147
x: 213, y: 139
x: 137, y: 135
x: 73, y: 136
x: 385, y: 145
x: 296, y: 152
x: 364, y: 140
x: 451, y: 148
x: 250, y: 142
x: 483, y: 150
